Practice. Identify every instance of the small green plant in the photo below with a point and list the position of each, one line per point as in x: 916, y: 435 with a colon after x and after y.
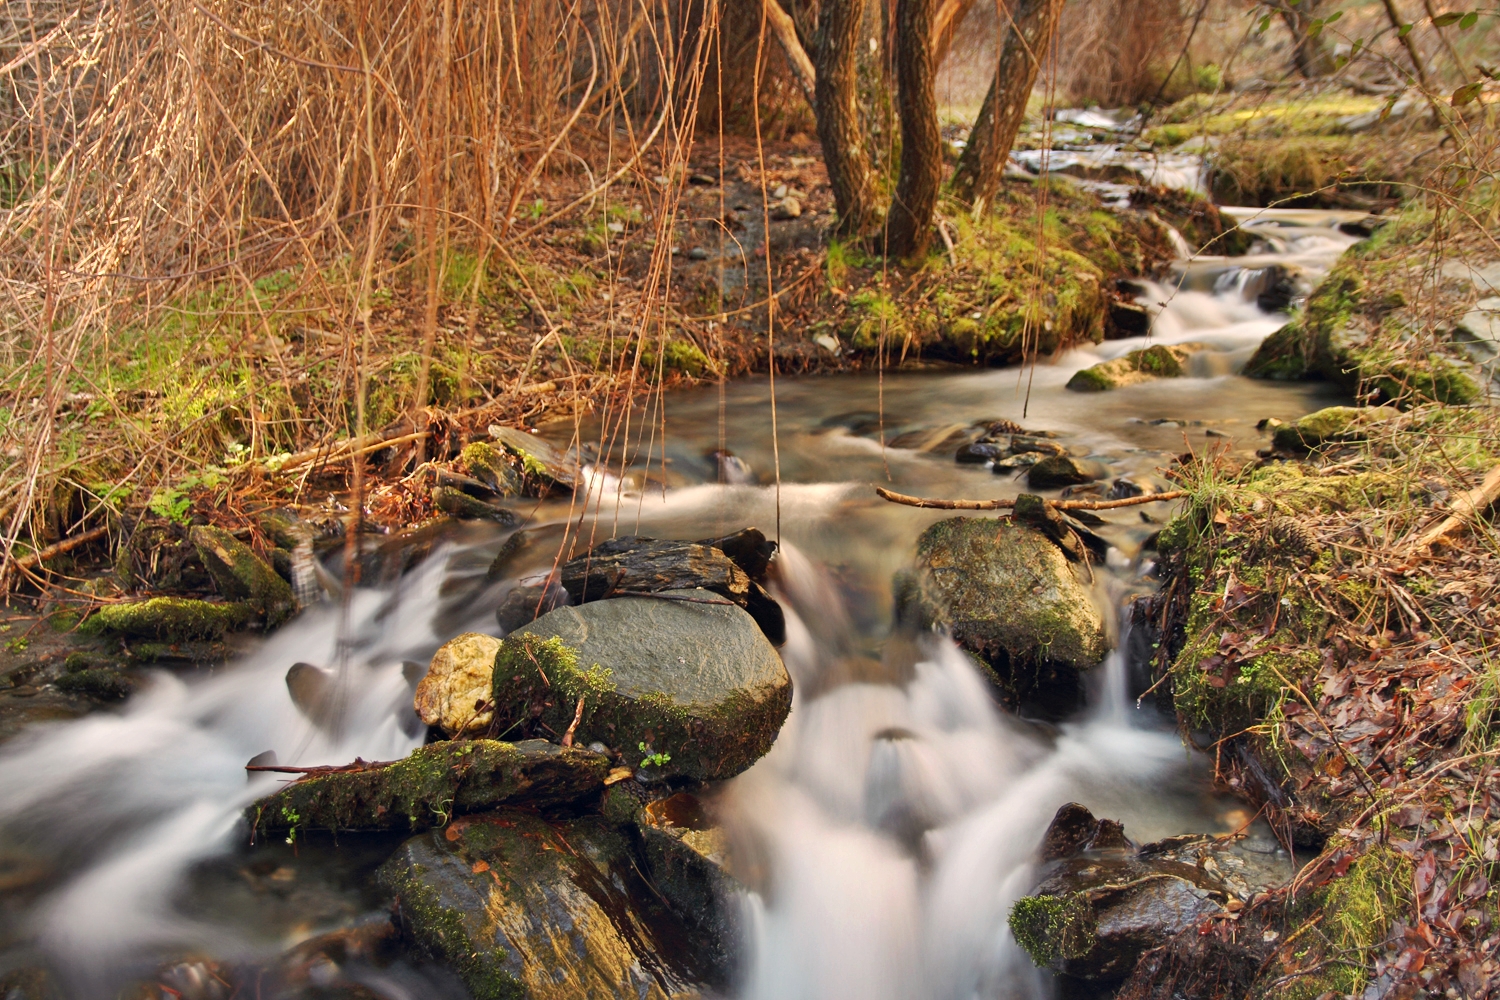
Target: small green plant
x: 170, y: 503
x: 18, y: 644
x: 653, y: 758
x: 293, y: 817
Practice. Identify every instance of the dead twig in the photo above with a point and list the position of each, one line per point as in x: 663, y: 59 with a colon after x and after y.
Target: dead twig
x: 1461, y: 513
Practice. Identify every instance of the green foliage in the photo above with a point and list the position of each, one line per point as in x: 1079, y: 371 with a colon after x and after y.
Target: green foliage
x: 650, y: 758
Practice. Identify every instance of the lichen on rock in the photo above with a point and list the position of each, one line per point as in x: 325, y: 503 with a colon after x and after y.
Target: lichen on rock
x: 455, y: 693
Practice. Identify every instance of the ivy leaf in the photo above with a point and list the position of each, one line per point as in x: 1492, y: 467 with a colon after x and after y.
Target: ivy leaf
x: 1470, y: 19
x: 1466, y: 94
x: 1443, y: 20
x: 1404, y: 31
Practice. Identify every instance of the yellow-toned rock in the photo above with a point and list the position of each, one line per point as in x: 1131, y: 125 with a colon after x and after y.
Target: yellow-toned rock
x: 455, y: 694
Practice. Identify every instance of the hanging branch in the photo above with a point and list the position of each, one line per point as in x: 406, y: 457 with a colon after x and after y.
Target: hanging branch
x: 902, y: 498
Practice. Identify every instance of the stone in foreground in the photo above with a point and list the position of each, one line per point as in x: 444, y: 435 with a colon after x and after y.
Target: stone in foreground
x: 523, y: 908
x: 1007, y: 593
x: 1331, y: 425
x: 171, y: 619
x: 455, y: 693
x: 683, y: 673
x: 433, y: 783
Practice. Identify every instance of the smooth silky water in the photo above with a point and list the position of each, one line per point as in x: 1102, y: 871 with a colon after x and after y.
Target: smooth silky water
x: 893, y: 823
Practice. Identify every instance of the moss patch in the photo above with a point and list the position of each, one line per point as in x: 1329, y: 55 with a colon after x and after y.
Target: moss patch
x: 170, y: 619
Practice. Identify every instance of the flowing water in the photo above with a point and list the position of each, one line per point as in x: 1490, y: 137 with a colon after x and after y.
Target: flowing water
x: 894, y: 821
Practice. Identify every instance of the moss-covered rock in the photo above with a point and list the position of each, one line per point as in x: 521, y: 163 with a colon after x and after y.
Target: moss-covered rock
x: 455, y: 693
x: 487, y: 464
x: 542, y: 465
x: 95, y: 682
x: 241, y: 575
x: 170, y: 619
x: 523, y: 908
x: 682, y: 679
x: 1345, y: 334
x: 1007, y: 593
x: 1144, y: 365
x: 1329, y: 425
x: 432, y: 785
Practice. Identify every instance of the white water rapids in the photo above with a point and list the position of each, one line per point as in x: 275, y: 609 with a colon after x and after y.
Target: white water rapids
x: 897, y: 814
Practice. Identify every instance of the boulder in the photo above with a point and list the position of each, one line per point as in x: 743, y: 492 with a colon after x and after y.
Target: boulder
x: 750, y: 550
x: 525, y: 602
x: 634, y: 565
x: 686, y: 860
x: 431, y: 785
x: 1144, y: 365
x: 683, y: 679
x: 241, y: 575
x: 1330, y: 425
x: 524, y: 908
x: 541, y: 463
x: 1006, y: 593
x: 491, y: 467
x: 171, y: 619
x: 1057, y: 471
x: 455, y: 693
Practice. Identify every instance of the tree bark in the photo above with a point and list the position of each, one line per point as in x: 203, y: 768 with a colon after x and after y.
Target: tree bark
x: 785, y: 30
x: 1025, y: 31
x: 909, y: 222
x: 836, y: 106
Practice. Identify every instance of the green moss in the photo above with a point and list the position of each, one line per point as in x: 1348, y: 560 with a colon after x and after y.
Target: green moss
x: 170, y: 618
x: 684, y: 356
x: 105, y: 685
x: 241, y: 575
x: 1092, y: 379
x: 1052, y: 928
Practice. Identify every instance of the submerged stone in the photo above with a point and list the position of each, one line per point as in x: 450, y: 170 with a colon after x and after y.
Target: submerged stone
x: 683, y: 680
x: 241, y: 575
x: 431, y: 785
x: 524, y: 908
x: 455, y: 693
x: 1006, y: 592
x: 171, y: 619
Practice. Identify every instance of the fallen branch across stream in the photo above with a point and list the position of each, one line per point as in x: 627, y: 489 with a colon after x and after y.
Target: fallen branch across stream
x: 902, y: 498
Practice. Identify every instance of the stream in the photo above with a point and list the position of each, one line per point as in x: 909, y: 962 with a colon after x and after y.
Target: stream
x: 895, y: 819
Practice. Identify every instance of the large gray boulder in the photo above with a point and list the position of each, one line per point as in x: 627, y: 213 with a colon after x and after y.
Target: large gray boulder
x: 1006, y: 593
x: 684, y: 673
x: 524, y: 908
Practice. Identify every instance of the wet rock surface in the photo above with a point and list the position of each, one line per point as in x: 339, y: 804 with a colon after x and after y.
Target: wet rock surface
x: 1007, y: 593
x: 1102, y: 902
x: 241, y: 575
x: 524, y: 908
x: 541, y: 464
x: 684, y: 673
x: 432, y: 784
x: 455, y: 693
x: 1056, y: 471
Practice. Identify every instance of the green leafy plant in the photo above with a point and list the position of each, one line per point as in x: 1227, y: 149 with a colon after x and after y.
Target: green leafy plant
x: 653, y: 758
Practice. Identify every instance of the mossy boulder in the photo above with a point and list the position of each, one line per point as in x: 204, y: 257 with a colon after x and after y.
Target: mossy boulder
x: 96, y: 682
x: 685, y: 674
x: 455, y: 693
x: 1144, y: 365
x: 1330, y: 425
x: 241, y: 575
x: 1006, y: 593
x: 171, y: 619
x: 431, y: 785
x: 524, y: 908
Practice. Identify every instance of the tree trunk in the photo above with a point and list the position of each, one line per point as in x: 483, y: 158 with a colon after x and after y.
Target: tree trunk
x: 909, y: 222
x: 1309, y: 52
x: 1026, y: 30
x: 836, y: 105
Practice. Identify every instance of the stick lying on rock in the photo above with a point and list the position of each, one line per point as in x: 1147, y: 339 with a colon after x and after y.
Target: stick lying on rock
x: 902, y: 498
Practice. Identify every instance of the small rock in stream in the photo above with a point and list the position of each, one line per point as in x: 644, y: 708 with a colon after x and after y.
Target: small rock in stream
x: 241, y: 575
x: 455, y: 693
x: 1057, y: 471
